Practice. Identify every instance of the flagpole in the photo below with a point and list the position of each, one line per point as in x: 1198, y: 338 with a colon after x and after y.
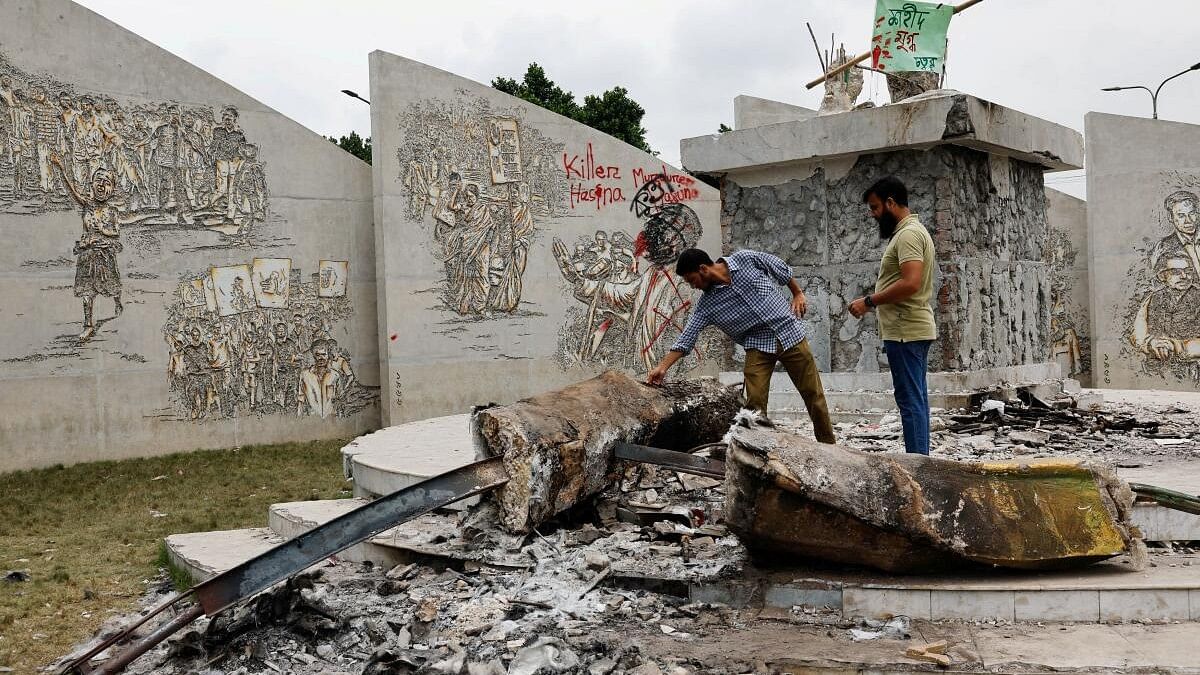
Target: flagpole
x: 866, y: 55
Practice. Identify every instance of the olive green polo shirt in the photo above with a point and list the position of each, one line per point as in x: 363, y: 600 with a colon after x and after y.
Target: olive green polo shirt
x: 912, y: 318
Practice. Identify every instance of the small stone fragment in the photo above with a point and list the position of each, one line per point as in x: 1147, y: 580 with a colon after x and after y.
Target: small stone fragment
x: 596, y: 560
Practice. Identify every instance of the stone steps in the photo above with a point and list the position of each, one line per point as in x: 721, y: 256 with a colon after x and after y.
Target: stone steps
x: 1108, y: 592
x: 291, y: 519
x: 396, y: 457
x: 204, y: 555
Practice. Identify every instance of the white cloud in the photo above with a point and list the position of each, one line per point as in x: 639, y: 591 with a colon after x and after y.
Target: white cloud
x: 684, y: 62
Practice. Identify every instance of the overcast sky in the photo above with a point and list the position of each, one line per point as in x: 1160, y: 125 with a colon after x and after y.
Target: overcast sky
x: 683, y: 61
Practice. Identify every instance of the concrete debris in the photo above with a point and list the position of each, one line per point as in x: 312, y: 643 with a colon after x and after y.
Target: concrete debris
x: 557, y: 446
x: 919, y: 654
x: 788, y: 495
x: 893, y: 629
x: 610, y: 585
x: 1122, y: 434
x: 546, y: 655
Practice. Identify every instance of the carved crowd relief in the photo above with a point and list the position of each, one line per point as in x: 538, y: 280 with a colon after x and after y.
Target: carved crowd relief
x: 631, y: 305
x: 161, y: 167
x: 483, y: 180
x: 1163, y: 320
x: 259, y: 339
x: 1068, y: 320
x: 169, y: 163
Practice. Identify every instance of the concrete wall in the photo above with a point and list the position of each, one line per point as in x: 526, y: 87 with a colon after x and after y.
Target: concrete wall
x: 752, y: 111
x: 987, y: 215
x: 518, y: 250
x: 1066, y: 252
x: 213, y: 238
x: 1143, y: 186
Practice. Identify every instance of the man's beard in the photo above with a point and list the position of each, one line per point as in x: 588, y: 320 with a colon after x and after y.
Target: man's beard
x: 887, y: 225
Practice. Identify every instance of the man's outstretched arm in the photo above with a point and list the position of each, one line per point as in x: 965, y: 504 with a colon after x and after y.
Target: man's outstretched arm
x: 659, y: 373
x: 687, y: 340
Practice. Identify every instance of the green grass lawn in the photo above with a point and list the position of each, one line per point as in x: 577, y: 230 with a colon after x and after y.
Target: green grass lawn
x: 89, y: 534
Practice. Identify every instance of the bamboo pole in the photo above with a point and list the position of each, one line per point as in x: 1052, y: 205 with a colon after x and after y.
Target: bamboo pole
x: 867, y: 54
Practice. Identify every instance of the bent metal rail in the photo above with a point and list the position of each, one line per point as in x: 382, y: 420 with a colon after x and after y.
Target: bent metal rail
x: 305, y: 550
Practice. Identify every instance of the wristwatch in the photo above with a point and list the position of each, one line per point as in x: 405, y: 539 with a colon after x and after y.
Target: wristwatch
x: 867, y: 299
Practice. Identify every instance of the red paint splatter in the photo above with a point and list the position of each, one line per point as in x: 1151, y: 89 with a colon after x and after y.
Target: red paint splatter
x: 394, y: 336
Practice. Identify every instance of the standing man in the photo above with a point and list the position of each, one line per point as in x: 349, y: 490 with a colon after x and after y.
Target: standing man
x: 742, y: 298
x: 902, y: 295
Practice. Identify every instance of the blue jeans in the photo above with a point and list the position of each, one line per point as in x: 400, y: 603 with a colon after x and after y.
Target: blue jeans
x: 908, y: 362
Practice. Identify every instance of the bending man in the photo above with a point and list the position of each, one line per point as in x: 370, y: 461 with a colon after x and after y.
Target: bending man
x: 742, y: 298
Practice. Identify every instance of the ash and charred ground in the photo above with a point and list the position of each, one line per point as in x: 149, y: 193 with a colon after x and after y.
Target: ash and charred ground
x: 486, y: 603
x: 1133, y: 429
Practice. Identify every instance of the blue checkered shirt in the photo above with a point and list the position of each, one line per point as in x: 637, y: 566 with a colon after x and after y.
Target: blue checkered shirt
x: 750, y: 308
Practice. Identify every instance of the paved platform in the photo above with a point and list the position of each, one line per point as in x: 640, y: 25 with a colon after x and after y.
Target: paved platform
x: 1107, y: 592
x: 787, y: 647
x: 400, y: 456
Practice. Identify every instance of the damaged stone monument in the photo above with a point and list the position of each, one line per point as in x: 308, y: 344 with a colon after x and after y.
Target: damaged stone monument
x: 974, y: 172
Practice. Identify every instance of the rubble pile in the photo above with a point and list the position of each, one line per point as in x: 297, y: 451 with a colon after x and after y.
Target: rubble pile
x: 1126, y: 435
x: 483, y: 601
x: 603, y: 587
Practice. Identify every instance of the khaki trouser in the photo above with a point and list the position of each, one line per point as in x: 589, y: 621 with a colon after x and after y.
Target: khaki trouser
x: 800, y: 366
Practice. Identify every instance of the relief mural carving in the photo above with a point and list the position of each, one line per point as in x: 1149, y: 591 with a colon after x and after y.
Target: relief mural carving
x: 258, y: 339
x: 486, y: 182
x: 1068, y: 328
x: 159, y: 168
x: 484, y: 179
x: 1162, y: 323
x: 633, y: 304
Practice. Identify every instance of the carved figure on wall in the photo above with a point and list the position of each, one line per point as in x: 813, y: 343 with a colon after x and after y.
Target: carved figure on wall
x: 170, y: 164
x: 634, y: 304
x: 1183, y: 212
x: 96, y: 271
x: 1164, y: 318
x: 482, y: 179
x: 248, y: 353
x: 1068, y: 323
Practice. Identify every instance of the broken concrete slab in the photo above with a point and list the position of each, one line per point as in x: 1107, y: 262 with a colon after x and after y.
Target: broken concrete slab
x: 557, y: 446
x: 909, y: 513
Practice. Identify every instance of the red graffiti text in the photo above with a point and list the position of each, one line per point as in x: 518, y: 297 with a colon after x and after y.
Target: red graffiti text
x: 600, y: 194
x: 586, y: 168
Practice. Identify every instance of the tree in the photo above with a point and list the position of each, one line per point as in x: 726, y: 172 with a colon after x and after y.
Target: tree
x: 540, y: 90
x: 612, y: 112
x: 355, y: 145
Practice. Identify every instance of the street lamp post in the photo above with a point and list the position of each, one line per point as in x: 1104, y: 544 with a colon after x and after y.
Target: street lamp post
x: 1154, y: 94
x: 354, y: 95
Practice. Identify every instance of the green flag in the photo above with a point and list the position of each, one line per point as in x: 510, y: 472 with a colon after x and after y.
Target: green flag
x: 910, y: 36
